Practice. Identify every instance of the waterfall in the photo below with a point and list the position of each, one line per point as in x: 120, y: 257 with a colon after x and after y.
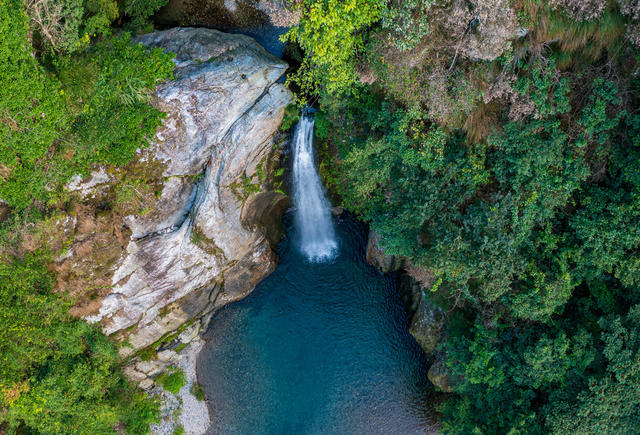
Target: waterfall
x: 312, y: 209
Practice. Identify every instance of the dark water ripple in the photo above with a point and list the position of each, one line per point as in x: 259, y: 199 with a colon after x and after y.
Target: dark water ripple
x: 317, y: 348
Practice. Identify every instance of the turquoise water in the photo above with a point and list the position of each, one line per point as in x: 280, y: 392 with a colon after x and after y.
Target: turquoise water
x: 317, y: 348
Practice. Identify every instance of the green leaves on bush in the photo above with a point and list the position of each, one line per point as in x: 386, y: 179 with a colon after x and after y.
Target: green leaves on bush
x: 93, y: 108
x: 532, y: 231
x: 330, y: 33
x: 173, y: 380
x: 83, y: 105
x: 58, y: 374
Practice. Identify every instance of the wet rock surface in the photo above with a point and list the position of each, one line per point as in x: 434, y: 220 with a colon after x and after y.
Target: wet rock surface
x: 439, y: 376
x: 378, y: 258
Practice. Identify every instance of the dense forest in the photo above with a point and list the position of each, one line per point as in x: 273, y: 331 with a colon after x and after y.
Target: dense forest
x: 494, y: 143
x: 507, y: 166
x: 74, y: 92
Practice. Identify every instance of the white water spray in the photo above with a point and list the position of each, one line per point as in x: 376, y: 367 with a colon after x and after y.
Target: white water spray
x: 312, y: 214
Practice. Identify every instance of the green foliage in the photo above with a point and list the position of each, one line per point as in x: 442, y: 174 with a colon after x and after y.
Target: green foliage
x: 141, y: 11
x: 117, y: 116
x: 68, y: 26
x: 407, y: 21
x: 31, y: 109
x: 93, y: 109
x: 511, y: 371
x: 531, y: 226
x: 291, y: 117
x: 198, y: 391
x: 330, y: 32
x: 173, y: 380
x: 26, y: 300
x: 65, y: 105
x: 612, y: 403
x: 58, y: 374
x: 502, y: 245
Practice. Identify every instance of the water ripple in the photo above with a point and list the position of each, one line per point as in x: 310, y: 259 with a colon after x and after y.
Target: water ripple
x: 317, y: 348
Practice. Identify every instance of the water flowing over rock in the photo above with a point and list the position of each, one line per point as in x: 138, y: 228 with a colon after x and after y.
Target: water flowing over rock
x: 313, y: 211
x: 195, y: 246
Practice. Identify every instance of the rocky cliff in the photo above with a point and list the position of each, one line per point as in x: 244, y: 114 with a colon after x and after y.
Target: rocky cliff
x: 193, y: 218
x: 426, y: 320
x: 228, y: 14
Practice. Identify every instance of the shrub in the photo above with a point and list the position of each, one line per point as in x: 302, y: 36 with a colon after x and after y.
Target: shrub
x: 198, y: 391
x: 291, y: 117
x: 140, y: 11
x: 330, y: 64
x: 94, y: 109
x: 407, y: 22
x: 65, y: 26
x: 58, y: 374
x: 173, y: 380
x: 529, y: 224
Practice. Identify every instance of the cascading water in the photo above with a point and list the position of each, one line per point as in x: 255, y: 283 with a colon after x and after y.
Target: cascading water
x: 312, y: 214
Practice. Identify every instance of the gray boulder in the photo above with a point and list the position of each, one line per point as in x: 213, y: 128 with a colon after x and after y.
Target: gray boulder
x: 439, y: 376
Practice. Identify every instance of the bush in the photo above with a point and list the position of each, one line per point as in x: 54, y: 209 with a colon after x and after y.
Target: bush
x: 329, y: 64
x: 173, y: 380
x: 530, y: 225
x: 93, y: 109
x: 65, y: 105
x: 58, y: 374
x: 140, y: 11
x: 407, y: 22
x: 66, y: 26
x: 198, y: 391
x: 291, y: 117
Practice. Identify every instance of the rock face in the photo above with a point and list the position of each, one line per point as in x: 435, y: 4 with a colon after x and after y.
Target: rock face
x: 494, y: 23
x: 228, y: 13
x: 203, y: 237
x: 426, y: 320
x: 439, y: 376
x: 377, y: 257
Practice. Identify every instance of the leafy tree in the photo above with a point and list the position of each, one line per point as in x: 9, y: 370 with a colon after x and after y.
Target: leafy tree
x: 65, y: 105
x: 407, y: 21
x: 612, y: 402
x: 531, y: 228
x: 330, y: 32
x: 93, y: 109
x: 58, y: 374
